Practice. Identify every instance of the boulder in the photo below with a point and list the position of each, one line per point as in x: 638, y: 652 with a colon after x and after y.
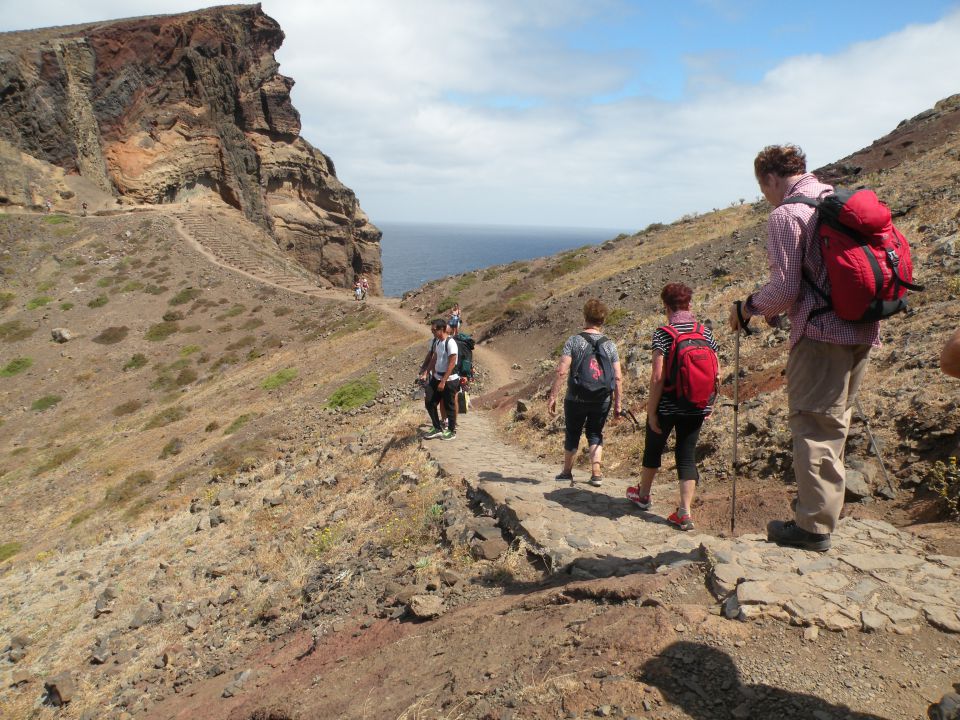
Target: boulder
x: 61, y: 335
x: 856, y: 487
x: 60, y: 688
x: 426, y: 607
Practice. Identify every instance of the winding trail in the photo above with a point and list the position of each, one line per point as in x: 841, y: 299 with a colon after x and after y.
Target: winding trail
x: 875, y: 577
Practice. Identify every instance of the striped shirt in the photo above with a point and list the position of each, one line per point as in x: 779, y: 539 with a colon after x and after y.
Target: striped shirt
x: 792, y: 248
x: 663, y: 341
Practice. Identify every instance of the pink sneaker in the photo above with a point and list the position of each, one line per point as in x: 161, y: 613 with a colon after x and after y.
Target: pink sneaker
x: 634, y: 496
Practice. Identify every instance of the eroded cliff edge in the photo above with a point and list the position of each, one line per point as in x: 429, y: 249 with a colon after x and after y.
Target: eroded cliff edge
x: 168, y: 108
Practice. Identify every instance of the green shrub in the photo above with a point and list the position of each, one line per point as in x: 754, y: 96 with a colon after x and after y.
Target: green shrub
x: 279, y: 378
x: 39, y: 301
x: 232, y: 312
x: 57, y: 459
x: 281, y: 311
x: 98, y: 301
x: 6, y: 300
x: 238, y: 423
x: 155, y: 289
x: 136, y: 362
x: 446, y: 304
x: 355, y: 393
x: 174, y: 447
x: 944, y: 480
x: 131, y: 486
x: 188, y: 350
x: 566, y: 264
x: 166, y: 417
x: 131, y: 286
x: 81, y: 517
x: 56, y: 219
x: 14, y: 330
x: 251, y: 324
x: 8, y: 550
x: 185, y: 296
x: 130, y: 406
x: 186, y: 377
x: 191, y: 329
x: 45, y: 403
x: 111, y: 335
x: 228, y: 359
x: 617, y: 316
x: 66, y: 306
x: 161, y: 331
x: 172, y: 316
x: 105, y: 282
x: 46, y: 285
x: 245, y: 341
x: 211, y: 426
x: 17, y: 365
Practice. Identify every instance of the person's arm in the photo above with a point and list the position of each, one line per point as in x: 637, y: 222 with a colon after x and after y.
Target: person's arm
x: 617, y: 390
x: 656, y: 390
x: 785, y: 266
x: 950, y: 356
x: 563, y: 368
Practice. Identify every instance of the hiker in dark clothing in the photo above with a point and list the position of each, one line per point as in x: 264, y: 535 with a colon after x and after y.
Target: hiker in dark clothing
x: 950, y: 356
x: 443, y: 382
x: 665, y: 412
x: 579, y: 412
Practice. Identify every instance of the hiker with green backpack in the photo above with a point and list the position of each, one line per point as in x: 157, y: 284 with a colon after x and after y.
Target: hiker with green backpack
x: 837, y: 266
x: 590, y: 367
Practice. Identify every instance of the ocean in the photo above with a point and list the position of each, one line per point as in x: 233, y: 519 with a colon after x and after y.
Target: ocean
x: 415, y: 253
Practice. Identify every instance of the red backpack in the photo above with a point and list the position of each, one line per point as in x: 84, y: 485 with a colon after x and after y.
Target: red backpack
x: 692, y: 368
x: 866, y: 256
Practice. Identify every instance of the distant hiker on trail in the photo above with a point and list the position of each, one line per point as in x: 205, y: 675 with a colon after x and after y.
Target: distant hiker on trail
x: 828, y: 356
x: 950, y: 356
x: 357, y: 290
x: 455, y: 319
x: 444, y: 382
x: 83, y: 209
x: 590, y: 367
x: 682, y: 390
x: 364, y: 287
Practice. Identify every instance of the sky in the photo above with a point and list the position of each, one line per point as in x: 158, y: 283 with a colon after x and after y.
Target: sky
x: 610, y: 113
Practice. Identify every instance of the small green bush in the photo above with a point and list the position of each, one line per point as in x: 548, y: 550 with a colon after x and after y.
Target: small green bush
x: 355, y: 393
x: 944, y: 480
x: 155, y: 289
x: 111, y: 335
x: 45, y: 403
x: 238, y: 423
x: 185, y: 296
x: 6, y: 300
x: 66, y: 306
x: 46, y: 285
x: 446, y: 304
x: 245, y: 341
x: 279, y: 378
x: 174, y: 447
x: 172, y: 316
x: 211, y: 426
x: 8, y: 550
x: 188, y: 350
x: 98, y: 302
x: 617, y: 316
x: 39, y: 301
x: 251, y: 324
x: 232, y: 312
x: 105, y: 282
x: 57, y: 459
x: 14, y: 331
x: 130, y: 406
x: 131, y: 486
x: 136, y: 362
x: 161, y: 331
x: 191, y: 329
x: 166, y: 417
x: 186, y: 376
x: 81, y: 517
x: 56, y: 219
x: 281, y: 311
x: 17, y: 365
x: 131, y: 286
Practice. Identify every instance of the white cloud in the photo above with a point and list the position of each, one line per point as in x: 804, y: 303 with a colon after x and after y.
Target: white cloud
x: 479, y: 111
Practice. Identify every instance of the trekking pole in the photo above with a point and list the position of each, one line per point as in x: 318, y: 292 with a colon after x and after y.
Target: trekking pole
x: 736, y: 413
x: 873, y: 444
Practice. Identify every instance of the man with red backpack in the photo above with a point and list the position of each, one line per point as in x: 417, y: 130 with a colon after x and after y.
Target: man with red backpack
x: 828, y: 355
x: 683, y: 385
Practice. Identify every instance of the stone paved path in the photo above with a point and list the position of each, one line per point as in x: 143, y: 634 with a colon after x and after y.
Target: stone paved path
x: 874, y: 578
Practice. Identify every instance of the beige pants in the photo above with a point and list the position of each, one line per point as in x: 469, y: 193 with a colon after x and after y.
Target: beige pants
x: 822, y: 384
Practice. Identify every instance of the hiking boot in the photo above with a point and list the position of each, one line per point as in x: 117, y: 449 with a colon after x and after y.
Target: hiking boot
x: 681, y: 519
x: 434, y: 433
x: 447, y: 435
x: 564, y: 476
x: 596, y: 480
x: 789, y: 533
x: 641, y: 501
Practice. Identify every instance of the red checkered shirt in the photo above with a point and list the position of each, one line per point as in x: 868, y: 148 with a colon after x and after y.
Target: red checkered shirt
x: 792, y: 245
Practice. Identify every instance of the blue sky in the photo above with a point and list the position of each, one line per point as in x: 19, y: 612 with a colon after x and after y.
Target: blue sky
x: 612, y: 113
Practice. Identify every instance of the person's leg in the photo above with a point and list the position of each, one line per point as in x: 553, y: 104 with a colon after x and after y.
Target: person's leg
x: 450, y: 402
x: 596, y: 419
x: 431, y: 399
x: 822, y: 382
x: 574, y: 417
x: 688, y: 432
x: 653, y: 446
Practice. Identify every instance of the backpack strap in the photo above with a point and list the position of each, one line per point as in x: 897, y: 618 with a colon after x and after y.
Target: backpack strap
x: 670, y: 380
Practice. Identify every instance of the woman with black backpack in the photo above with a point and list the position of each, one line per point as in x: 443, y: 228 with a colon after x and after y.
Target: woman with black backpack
x: 683, y: 383
x: 591, y: 367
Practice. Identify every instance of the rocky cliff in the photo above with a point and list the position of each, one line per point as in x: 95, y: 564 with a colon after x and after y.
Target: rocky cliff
x: 178, y: 108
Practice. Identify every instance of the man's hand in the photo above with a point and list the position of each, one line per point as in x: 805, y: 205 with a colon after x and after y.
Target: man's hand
x: 653, y: 420
x: 441, y: 385
x: 552, y: 405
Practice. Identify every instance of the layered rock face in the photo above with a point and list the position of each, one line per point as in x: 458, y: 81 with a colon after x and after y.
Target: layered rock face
x: 185, y: 107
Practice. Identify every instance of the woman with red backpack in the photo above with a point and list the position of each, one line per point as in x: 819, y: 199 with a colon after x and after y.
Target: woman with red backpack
x: 683, y: 385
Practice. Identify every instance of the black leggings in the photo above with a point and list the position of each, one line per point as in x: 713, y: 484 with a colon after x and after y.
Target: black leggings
x: 688, y: 432
x: 578, y: 416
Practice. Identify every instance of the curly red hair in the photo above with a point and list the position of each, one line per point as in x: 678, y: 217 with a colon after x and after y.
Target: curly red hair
x: 676, y: 296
